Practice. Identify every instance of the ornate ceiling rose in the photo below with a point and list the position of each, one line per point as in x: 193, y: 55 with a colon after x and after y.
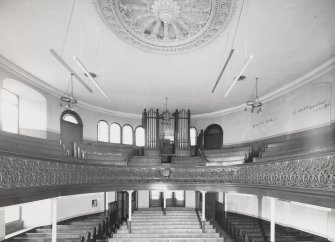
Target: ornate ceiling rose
x: 166, y: 26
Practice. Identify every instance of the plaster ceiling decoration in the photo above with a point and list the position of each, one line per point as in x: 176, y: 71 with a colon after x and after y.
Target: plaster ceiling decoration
x: 166, y: 26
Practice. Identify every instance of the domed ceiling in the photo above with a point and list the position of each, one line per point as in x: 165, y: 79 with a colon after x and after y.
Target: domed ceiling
x: 178, y: 48
x: 166, y: 26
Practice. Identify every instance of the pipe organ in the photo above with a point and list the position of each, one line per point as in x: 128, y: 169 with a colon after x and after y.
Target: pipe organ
x: 182, y: 133
x: 166, y: 134
x: 150, y: 122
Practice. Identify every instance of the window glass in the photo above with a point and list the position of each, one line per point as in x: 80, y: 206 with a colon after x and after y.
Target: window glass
x: 127, y: 135
x: 70, y: 118
x: 115, y: 133
x: 10, y: 112
x: 139, y: 136
x: 193, y: 136
x: 103, y: 134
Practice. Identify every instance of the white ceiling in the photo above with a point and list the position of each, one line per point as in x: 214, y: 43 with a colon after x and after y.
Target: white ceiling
x: 286, y: 38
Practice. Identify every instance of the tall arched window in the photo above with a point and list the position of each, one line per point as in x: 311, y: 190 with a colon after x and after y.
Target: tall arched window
x: 139, y: 136
x: 115, y: 133
x: 24, y: 109
x: 103, y: 131
x: 127, y: 135
x: 193, y: 136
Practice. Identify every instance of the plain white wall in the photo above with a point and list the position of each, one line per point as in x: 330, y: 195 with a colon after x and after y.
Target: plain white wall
x: 190, y: 199
x: 143, y: 199
x: 36, y: 213
x: 74, y: 206
x: 2, y: 224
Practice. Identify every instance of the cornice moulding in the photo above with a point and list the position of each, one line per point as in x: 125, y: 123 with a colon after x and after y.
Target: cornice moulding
x: 33, y: 80
x: 303, y: 80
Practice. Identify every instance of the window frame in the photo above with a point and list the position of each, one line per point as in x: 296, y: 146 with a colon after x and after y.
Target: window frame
x: 135, y: 140
x: 196, y: 135
x: 108, y: 130
x: 132, y: 133
x: 110, y: 133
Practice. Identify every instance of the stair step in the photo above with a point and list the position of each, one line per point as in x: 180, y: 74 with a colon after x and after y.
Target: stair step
x: 59, y: 235
x: 165, y: 231
x: 32, y: 239
x: 146, y: 223
x: 165, y: 239
x: 166, y: 226
x: 197, y: 235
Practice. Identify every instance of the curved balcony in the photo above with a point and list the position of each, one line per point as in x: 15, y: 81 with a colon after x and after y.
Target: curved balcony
x: 307, y: 179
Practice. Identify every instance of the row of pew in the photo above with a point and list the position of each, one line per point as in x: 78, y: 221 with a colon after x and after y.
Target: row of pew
x: 104, y: 154
x: 299, y: 147
x: 243, y: 228
x: 94, y: 153
x: 91, y: 228
x: 31, y: 146
x: 227, y: 156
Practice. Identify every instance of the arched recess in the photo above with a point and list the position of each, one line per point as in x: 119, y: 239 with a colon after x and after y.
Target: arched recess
x: 115, y: 133
x: 71, y: 129
x: 127, y: 135
x: 213, y: 137
x: 30, y: 116
x: 103, y: 131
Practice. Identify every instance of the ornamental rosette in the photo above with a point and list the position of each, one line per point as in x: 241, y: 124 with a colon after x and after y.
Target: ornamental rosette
x: 166, y: 26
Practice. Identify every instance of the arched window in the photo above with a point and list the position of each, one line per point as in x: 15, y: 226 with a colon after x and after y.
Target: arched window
x: 127, y: 135
x: 193, y: 136
x: 70, y: 118
x: 139, y: 136
x: 115, y: 133
x: 10, y: 111
x: 103, y: 131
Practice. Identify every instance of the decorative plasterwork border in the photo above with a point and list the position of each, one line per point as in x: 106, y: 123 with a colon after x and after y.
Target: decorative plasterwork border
x: 33, y: 80
x: 220, y: 15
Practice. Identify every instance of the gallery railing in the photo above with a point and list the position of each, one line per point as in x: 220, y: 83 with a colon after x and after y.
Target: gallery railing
x: 26, y: 179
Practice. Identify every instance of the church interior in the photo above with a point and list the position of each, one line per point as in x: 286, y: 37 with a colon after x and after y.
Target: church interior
x: 167, y: 120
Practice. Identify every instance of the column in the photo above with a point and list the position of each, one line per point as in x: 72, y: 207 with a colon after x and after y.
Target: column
x: 164, y: 203
x: 273, y: 219
x: 54, y: 220
x: 225, y: 204
x: 203, y: 217
x: 129, y: 209
x: 2, y: 224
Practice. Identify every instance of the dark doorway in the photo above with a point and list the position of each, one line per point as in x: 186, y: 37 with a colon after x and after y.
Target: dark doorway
x: 173, y: 199
x: 213, y: 137
x: 71, y: 129
x: 210, y: 205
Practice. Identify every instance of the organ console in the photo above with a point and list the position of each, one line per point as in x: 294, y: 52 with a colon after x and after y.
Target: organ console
x: 166, y: 134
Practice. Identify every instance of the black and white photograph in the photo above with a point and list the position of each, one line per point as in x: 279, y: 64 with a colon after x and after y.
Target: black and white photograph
x: 167, y: 120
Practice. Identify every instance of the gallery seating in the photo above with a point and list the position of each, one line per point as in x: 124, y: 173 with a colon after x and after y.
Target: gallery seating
x: 249, y: 229
x: 82, y: 229
x: 227, y: 156
x: 31, y: 146
x: 299, y: 147
x: 103, y: 154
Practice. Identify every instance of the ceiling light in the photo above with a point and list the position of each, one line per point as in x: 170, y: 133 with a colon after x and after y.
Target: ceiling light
x: 60, y: 59
x: 88, y: 74
x: 238, y: 76
x: 254, y: 102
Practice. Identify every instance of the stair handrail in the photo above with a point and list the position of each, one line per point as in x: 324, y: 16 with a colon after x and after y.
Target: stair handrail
x: 203, y: 157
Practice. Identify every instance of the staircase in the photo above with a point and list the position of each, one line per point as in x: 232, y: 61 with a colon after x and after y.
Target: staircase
x: 145, y: 161
x: 177, y: 225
